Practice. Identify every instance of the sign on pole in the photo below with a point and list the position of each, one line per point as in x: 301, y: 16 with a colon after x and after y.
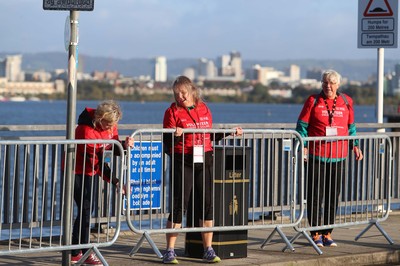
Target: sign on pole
x: 377, y: 23
x: 77, y: 5
x: 145, y: 175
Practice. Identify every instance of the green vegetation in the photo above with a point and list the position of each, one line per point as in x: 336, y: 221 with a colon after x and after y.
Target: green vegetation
x: 248, y: 93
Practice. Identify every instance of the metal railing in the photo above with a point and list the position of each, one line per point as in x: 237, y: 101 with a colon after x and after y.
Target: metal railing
x: 254, y: 183
x: 274, y: 161
x: 32, y: 192
x: 343, y: 191
x: 271, y: 159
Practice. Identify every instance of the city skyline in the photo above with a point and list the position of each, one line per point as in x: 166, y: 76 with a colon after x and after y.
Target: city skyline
x: 259, y: 29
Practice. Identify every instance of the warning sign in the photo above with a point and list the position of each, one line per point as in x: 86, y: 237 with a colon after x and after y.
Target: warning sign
x: 377, y: 24
x: 378, y: 8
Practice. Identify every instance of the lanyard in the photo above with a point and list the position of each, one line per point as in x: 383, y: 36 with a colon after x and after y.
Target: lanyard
x: 188, y: 109
x: 330, y: 113
x: 197, y: 137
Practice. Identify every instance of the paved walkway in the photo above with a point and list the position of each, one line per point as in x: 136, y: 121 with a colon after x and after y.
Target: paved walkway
x: 371, y: 249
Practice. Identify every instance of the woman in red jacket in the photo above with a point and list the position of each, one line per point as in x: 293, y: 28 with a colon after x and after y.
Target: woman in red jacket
x: 328, y: 113
x: 99, y: 123
x: 192, y: 163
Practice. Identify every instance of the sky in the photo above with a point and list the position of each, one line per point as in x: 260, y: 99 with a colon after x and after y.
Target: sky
x: 258, y: 29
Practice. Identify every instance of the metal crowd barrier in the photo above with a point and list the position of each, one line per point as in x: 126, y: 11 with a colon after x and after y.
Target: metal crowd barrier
x: 32, y: 197
x: 363, y: 187
x: 256, y: 184
x: 259, y: 182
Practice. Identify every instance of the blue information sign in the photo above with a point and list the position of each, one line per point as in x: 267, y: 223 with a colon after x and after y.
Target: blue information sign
x: 145, y: 175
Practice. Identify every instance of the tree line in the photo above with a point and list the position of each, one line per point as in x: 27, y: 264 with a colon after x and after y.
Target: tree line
x: 251, y: 93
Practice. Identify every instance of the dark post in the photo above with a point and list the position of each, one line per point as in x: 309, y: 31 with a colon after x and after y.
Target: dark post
x: 71, y: 114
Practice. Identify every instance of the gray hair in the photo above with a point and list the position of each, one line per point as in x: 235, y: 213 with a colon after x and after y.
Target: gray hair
x: 331, y: 75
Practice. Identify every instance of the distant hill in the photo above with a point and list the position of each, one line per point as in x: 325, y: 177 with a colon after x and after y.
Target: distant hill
x: 359, y: 70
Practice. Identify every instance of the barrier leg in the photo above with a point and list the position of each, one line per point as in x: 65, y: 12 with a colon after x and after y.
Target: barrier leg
x: 283, y: 236
x: 86, y: 255
x: 364, y: 231
x: 383, y: 232
x: 309, y: 239
x: 151, y: 242
x: 268, y: 239
x: 292, y: 241
x: 99, y: 256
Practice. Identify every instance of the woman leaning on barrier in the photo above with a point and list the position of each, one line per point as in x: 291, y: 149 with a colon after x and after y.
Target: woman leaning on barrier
x: 99, y: 123
x: 328, y: 113
x: 192, y: 159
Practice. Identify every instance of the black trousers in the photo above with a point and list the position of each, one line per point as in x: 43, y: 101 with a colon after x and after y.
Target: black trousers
x: 323, y: 188
x: 191, y: 181
x: 84, y: 189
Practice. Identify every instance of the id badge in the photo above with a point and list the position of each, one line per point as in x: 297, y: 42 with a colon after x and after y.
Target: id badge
x: 331, y: 131
x: 198, y: 153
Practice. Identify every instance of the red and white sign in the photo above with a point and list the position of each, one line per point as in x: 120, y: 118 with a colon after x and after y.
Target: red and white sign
x: 377, y: 23
x: 378, y: 9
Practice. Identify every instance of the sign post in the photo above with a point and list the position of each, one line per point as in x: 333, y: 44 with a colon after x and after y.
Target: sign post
x: 71, y: 42
x: 377, y: 28
x: 71, y: 114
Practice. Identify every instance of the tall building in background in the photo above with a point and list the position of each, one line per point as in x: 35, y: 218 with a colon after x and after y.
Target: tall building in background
x: 236, y: 64
x: 265, y: 75
x: 211, y: 70
x: 10, y: 68
x: 223, y: 65
x: 160, y: 69
x: 230, y: 65
x: 206, y: 69
x: 189, y: 72
x: 2, y: 68
x: 202, y: 68
x: 294, y: 73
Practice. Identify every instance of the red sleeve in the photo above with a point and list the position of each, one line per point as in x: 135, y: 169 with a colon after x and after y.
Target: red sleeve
x: 307, y: 107
x: 87, y: 153
x: 169, y: 119
x: 87, y: 132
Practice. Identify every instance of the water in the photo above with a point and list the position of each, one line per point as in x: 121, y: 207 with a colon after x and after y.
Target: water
x: 55, y: 112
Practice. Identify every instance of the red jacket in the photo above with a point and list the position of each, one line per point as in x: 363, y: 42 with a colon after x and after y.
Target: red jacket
x: 199, y: 117
x: 314, y: 119
x: 94, y: 152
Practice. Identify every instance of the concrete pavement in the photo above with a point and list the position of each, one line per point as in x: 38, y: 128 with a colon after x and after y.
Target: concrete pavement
x: 371, y: 249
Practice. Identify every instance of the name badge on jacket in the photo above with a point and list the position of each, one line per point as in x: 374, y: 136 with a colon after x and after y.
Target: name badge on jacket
x: 198, y: 153
x: 331, y: 131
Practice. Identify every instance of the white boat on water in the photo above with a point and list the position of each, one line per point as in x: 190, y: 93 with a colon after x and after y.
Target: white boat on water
x: 17, y: 99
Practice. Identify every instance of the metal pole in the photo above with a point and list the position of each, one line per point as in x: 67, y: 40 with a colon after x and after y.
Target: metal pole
x: 71, y: 115
x: 379, y: 93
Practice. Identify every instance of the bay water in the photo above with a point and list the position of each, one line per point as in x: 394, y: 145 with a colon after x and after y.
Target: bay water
x: 55, y: 112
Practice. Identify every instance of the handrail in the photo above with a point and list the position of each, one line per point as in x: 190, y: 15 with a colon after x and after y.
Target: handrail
x: 60, y: 127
